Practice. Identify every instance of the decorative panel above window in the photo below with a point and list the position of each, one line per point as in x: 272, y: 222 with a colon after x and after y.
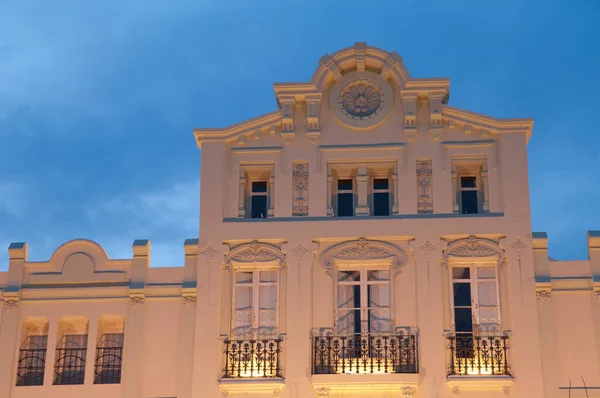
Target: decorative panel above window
x: 300, y: 207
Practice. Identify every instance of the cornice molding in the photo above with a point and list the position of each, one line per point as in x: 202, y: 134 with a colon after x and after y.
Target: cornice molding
x: 488, y: 123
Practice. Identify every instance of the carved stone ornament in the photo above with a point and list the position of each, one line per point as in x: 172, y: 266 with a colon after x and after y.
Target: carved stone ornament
x: 189, y: 301
x: 11, y: 305
x: 300, y: 175
x: 455, y: 390
x: 506, y: 390
x: 361, y: 99
x: 322, y: 392
x: 276, y: 392
x: 136, y: 301
x: 543, y: 295
x: 299, y: 251
x: 363, y: 249
x: 473, y: 247
x: 424, y: 185
x: 255, y: 252
x: 597, y: 294
x: 209, y: 252
x: 407, y: 392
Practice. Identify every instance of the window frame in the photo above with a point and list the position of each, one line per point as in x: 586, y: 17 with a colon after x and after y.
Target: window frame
x: 373, y: 191
x: 251, y: 194
x: 352, y: 191
x: 478, y: 190
x: 256, y: 285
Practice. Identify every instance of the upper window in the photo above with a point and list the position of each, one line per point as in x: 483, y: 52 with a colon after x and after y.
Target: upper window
x: 381, y: 197
x: 259, y: 197
x: 363, y: 301
x: 109, y: 359
x: 256, y: 191
x: 255, y: 303
x: 469, y: 188
x: 32, y: 361
x: 345, y: 197
x: 69, y: 364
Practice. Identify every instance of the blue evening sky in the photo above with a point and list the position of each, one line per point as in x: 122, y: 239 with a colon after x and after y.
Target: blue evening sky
x: 98, y: 101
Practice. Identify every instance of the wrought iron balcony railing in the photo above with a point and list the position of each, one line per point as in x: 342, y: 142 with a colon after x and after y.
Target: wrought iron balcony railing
x: 478, y: 355
x: 368, y: 354
x: 258, y: 358
x: 69, y: 366
x: 107, y: 367
x: 30, y: 368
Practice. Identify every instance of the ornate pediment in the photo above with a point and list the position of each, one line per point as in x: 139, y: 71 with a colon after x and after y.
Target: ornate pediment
x: 363, y: 249
x: 473, y: 247
x: 255, y: 252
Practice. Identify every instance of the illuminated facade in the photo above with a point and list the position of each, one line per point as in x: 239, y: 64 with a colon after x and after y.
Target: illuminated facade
x: 365, y: 239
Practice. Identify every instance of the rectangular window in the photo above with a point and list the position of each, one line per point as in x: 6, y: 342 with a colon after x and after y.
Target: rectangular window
x: 469, y: 194
x: 345, y: 198
x: 363, y: 301
x: 259, y: 199
x: 255, y: 304
x: 475, y: 300
x: 32, y: 361
x: 69, y: 364
x: 109, y: 359
x: 381, y: 197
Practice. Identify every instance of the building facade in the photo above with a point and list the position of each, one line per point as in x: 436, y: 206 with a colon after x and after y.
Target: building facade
x: 365, y: 239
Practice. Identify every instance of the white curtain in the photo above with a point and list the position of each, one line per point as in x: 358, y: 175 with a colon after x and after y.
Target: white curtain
x: 487, y: 297
x: 380, y: 305
x: 242, y: 317
x: 267, y: 316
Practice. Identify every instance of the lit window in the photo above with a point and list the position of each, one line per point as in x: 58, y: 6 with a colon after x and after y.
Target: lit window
x: 255, y: 304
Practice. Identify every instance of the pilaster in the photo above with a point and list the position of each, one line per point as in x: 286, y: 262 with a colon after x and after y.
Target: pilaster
x: 435, y: 115
x: 329, y: 192
x: 90, y: 357
x: 11, y: 315
x: 288, y: 129
x: 362, y: 189
x: 313, y: 114
x: 187, y: 321
x: 242, y: 196
x: 135, y: 322
x: 409, y: 102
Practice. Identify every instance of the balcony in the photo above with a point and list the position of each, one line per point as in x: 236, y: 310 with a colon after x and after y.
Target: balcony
x: 478, y: 355
x: 69, y: 366
x: 253, y: 358
x: 30, y: 368
x: 365, y: 354
x: 107, y: 368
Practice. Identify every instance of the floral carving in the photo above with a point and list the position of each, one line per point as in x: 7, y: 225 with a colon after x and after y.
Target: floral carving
x: 189, y: 301
x: 322, y: 392
x: 209, y: 252
x: 428, y: 247
x: 543, y: 295
x: 361, y: 99
x: 363, y: 249
x: 474, y: 247
x: 519, y: 245
x: 276, y: 392
x: 407, y: 392
x: 424, y: 181
x: 255, y: 252
x: 299, y: 251
x: 10, y: 305
x: 136, y: 301
x: 300, y: 190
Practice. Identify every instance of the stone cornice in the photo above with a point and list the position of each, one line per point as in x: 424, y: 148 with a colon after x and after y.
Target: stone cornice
x: 498, y: 126
x: 229, y: 133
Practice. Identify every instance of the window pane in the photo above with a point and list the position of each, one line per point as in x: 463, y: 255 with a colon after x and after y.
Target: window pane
x: 268, y: 276
x: 243, y: 277
x: 112, y: 340
x: 349, y: 276
x: 345, y: 205
x: 348, y: 322
x: 380, y: 320
x: 268, y: 297
x: 468, y: 182
x: 378, y: 275
x: 37, y: 342
x: 469, y: 202
x: 348, y: 296
x: 381, y: 183
x: 259, y: 206
x: 379, y: 296
x: 345, y: 184
x: 259, y: 186
x: 486, y: 272
x: 462, y: 294
x: 381, y: 204
x: 242, y: 322
x: 463, y: 320
x: 76, y: 341
x: 486, y: 293
x: 461, y: 273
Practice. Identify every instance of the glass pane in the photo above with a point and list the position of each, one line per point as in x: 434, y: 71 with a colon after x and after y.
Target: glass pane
x: 380, y: 320
x: 259, y: 186
x: 379, y: 296
x: 267, y: 322
x: 37, y: 342
x: 486, y: 272
x: 469, y: 202
x: 242, y: 322
x: 378, y: 275
x: 381, y: 183
x: 461, y: 273
x: 381, y: 204
x: 112, y: 340
x: 487, y: 293
x: 268, y: 276
x: 463, y: 320
x: 349, y: 276
x: 345, y: 184
x: 243, y: 277
x: 348, y: 322
x: 462, y: 294
x: 268, y: 297
x: 348, y: 296
x: 345, y: 205
x: 76, y: 341
x: 468, y: 182
x: 259, y: 206
x: 243, y: 297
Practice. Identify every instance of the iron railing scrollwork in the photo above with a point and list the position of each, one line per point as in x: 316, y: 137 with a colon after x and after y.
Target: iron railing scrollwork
x: 69, y: 366
x: 370, y: 353
x: 258, y: 358
x: 108, y: 364
x: 31, y: 365
x: 478, y: 355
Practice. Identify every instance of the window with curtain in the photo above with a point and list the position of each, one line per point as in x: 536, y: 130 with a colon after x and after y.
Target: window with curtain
x: 255, y: 304
x: 69, y: 365
x: 363, y: 301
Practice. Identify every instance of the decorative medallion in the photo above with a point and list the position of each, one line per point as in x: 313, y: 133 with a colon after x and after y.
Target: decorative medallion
x: 363, y: 249
x: 361, y: 99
